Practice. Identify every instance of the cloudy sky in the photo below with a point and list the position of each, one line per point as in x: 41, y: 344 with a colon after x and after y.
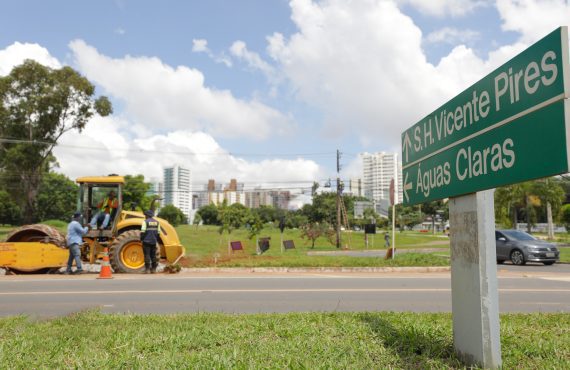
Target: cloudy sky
x: 264, y: 91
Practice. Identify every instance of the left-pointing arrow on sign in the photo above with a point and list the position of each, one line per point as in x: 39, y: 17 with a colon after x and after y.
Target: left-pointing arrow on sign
x: 407, y: 186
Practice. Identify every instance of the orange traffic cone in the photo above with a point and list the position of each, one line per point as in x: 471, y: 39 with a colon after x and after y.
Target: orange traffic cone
x: 105, y: 267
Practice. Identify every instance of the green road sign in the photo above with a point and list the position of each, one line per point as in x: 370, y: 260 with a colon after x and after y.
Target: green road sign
x: 509, y: 127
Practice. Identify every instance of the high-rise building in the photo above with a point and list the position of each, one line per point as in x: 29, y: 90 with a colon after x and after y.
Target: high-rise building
x: 156, y: 190
x: 378, y: 170
x: 178, y: 189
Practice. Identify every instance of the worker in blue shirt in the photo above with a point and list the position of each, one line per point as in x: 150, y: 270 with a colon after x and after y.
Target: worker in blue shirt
x: 150, y: 235
x: 75, y: 234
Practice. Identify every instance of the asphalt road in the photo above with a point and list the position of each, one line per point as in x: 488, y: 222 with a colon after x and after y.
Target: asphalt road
x: 37, y: 295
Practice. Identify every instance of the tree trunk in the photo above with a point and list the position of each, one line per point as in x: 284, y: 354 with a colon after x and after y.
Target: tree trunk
x: 514, y: 217
x: 528, y: 228
x: 31, y: 189
x: 550, y: 223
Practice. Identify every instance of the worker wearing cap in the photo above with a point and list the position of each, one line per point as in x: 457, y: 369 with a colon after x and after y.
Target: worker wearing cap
x: 74, y: 239
x: 150, y: 233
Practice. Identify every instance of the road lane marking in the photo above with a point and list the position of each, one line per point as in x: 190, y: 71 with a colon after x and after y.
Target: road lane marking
x: 556, y: 278
x: 309, y: 290
x: 259, y: 275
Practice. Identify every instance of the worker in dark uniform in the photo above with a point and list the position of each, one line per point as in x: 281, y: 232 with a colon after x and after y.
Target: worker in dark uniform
x: 150, y: 233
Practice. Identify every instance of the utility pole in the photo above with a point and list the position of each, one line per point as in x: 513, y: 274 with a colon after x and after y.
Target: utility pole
x: 338, y: 198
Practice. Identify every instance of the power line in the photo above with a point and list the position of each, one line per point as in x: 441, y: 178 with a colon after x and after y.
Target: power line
x: 38, y: 142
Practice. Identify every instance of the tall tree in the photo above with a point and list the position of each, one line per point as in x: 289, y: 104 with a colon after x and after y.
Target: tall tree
x: 38, y: 105
x: 233, y: 216
x: 435, y: 208
x: 564, y: 216
x: 551, y: 194
x: 323, y: 208
x: 57, y: 197
x: 265, y: 213
x: 135, y: 192
x: 209, y: 214
x: 9, y: 210
x: 173, y: 215
x: 523, y: 200
x: 508, y: 200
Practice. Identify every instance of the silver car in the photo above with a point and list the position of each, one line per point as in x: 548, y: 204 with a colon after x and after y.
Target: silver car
x: 520, y: 248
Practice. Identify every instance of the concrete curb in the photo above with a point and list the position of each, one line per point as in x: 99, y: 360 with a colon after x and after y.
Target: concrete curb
x: 316, y: 269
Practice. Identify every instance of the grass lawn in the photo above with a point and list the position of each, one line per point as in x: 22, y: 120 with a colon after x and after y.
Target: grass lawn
x: 297, y: 340
x: 206, y: 247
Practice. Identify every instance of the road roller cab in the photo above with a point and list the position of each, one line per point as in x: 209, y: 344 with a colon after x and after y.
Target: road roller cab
x: 42, y: 247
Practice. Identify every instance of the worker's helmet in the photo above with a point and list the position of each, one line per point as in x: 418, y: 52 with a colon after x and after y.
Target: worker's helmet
x: 148, y: 213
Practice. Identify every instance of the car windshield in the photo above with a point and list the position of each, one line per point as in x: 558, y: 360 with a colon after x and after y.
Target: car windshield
x: 518, y: 235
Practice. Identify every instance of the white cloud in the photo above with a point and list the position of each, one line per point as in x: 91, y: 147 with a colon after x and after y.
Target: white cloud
x: 368, y: 79
x: 452, y: 36
x: 16, y: 53
x: 201, y: 46
x: 240, y: 51
x: 167, y: 98
x: 106, y: 146
x: 533, y: 19
x: 120, y: 31
x: 440, y: 8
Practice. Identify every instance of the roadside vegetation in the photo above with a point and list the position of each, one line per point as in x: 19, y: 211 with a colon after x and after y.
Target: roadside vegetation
x: 295, y: 340
x: 206, y: 247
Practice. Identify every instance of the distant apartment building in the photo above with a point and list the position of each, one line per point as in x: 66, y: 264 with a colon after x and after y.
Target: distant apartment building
x: 275, y: 198
x: 234, y: 192
x: 177, y: 187
x: 257, y: 198
x: 378, y: 170
x: 280, y: 198
x: 354, y: 187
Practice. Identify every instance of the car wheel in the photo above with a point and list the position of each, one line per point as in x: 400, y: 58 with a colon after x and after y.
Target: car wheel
x: 500, y: 262
x: 549, y: 263
x: 517, y: 257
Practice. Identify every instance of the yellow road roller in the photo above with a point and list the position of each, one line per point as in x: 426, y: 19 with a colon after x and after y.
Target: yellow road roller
x: 41, y: 248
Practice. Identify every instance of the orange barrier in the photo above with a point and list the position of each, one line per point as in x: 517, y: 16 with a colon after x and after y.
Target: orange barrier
x: 106, y: 266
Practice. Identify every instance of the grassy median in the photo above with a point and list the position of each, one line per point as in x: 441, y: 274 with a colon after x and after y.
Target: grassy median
x: 205, y: 247
x: 298, y: 340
